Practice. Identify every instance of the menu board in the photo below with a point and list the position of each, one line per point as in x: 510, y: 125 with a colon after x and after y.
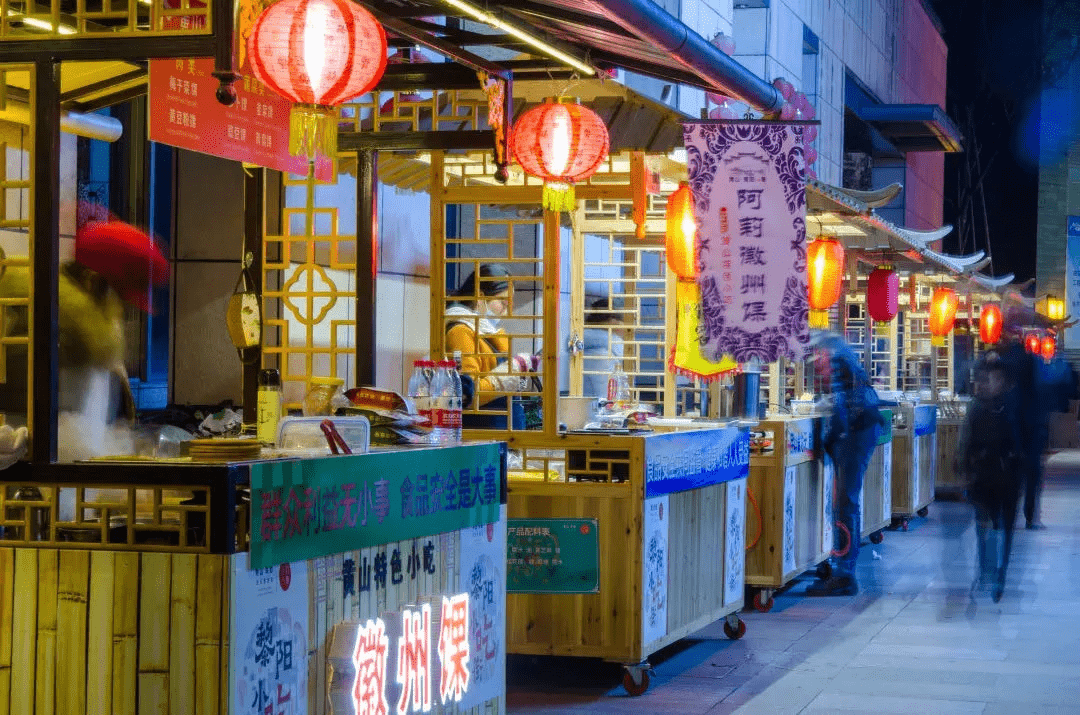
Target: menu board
x: 185, y: 113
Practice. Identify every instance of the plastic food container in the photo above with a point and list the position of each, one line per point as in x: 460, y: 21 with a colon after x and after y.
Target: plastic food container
x: 324, y: 395
x: 303, y: 436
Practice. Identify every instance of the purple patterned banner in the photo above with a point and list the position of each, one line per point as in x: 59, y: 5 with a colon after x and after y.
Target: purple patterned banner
x: 749, y: 184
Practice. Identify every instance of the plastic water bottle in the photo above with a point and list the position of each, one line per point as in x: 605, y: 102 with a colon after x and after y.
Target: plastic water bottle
x: 454, y: 366
x: 444, y: 401
x: 420, y: 390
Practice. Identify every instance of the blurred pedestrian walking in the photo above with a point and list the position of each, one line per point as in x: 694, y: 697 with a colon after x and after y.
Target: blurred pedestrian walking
x: 990, y: 456
x: 849, y: 440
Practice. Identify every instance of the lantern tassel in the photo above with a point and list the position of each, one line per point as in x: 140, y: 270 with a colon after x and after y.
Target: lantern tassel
x: 559, y: 196
x: 938, y: 341
x: 819, y: 319
x: 313, y: 130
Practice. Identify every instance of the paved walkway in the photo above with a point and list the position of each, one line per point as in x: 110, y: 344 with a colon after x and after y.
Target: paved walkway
x: 910, y: 643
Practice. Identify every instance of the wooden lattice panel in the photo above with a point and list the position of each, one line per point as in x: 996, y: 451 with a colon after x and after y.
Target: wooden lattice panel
x: 56, y: 20
x: 309, y: 295
x: 609, y: 465
x: 441, y: 110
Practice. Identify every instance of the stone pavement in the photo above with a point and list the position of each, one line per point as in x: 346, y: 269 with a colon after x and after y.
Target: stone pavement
x: 911, y: 642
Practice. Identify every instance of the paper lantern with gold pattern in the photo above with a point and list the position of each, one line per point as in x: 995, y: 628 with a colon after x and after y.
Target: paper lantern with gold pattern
x: 825, y: 266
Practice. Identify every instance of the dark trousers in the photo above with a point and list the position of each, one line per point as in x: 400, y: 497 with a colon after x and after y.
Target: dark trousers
x: 1033, y: 477
x: 995, y: 521
x: 850, y: 456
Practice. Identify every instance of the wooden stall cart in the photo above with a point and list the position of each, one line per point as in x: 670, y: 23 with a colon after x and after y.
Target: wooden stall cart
x: 621, y: 545
x: 914, y: 463
x: 876, y: 502
x: 789, y: 492
x: 145, y: 600
x: 948, y: 483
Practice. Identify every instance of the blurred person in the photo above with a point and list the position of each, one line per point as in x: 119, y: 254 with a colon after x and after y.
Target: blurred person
x: 850, y: 436
x: 484, y: 298
x: 990, y: 457
x: 603, y: 346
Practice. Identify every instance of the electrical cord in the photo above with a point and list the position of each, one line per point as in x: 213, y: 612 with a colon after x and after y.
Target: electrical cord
x: 757, y: 512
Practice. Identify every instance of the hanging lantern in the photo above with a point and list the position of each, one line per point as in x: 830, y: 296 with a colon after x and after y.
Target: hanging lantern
x: 883, y: 294
x: 942, y: 314
x: 990, y: 324
x: 317, y: 54
x: 562, y: 143
x: 1048, y: 347
x: 1032, y: 343
x: 825, y: 263
x: 681, y: 233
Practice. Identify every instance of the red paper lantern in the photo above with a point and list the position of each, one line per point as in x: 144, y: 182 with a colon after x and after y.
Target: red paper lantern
x: 942, y: 314
x: 318, y: 54
x: 562, y: 143
x: 883, y: 294
x: 1048, y: 347
x: 990, y: 324
x: 825, y: 266
x: 1032, y: 343
x: 681, y: 233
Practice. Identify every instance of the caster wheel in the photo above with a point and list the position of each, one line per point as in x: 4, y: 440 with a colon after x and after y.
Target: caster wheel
x: 824, y: 570
x: 762, y: 606
x: 924, y: 511
x: 635, y: 689
x: 876, y: 537
x: 904, y: 524
x: 735, y: 633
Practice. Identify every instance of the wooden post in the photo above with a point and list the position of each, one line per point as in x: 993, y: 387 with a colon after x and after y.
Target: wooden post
x: 367, y: 242
x: 550, y: 368
x: 45, y: 261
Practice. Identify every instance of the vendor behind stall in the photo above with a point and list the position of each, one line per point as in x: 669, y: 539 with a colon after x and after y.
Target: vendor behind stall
x: 603, y: 346
x: 473, y: 330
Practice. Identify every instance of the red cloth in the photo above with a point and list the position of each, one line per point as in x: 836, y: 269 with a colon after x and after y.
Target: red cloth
x: 126, y: 256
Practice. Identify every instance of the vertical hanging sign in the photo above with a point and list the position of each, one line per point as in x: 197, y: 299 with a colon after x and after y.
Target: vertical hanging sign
x: 749, y: 185
x: 1072, y: 281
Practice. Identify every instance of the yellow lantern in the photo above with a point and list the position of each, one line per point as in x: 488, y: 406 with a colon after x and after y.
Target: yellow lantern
x: 1052, y: 307
x: 825, y: 266
x: 681, y: 233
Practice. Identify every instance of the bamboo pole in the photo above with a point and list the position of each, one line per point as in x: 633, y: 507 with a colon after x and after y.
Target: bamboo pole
x: 73, y: 584
x: 45, y: 682
x: 153, y: 672
x: 125, y: 632
x: 182, y: 635
x: 208, y: 602
x: 99, y: 639
x: 24, y: 626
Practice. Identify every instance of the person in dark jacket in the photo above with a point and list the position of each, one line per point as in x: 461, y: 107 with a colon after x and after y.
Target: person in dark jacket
x: 849, y: 440
x: 990, y: 457
x: 1032, y: 416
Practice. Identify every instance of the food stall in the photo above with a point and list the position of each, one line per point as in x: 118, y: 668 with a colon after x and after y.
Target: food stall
x: 789, y: 505
x: 914, y: 462
x: 876, y: 502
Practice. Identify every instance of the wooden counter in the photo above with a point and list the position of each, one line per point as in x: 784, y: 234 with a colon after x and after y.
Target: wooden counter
x: 790, y: 528
x: 914, y: 462
x: 948, y: 483
x: 664, y: 517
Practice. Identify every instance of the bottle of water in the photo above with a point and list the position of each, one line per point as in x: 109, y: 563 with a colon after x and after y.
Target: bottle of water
x: 420, y: 391
x: 444, y: 397
x: 454, y: 366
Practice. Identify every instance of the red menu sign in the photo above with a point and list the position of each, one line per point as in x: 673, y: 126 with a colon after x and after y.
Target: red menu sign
x: 185, y: 113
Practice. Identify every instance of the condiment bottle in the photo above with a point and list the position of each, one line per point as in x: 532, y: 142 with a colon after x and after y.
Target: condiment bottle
x: 269, y: 407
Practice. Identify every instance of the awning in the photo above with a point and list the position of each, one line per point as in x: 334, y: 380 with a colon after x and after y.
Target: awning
x: 914, y: 127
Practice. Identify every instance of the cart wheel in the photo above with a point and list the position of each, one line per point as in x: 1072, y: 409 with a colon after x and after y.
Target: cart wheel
x: 877, y: 537
x: 924, y: 511
x: 904, y: 524
x: 763, y: 606
x: 736, y: 632
x: 824, y: 570
x: 634, y: 689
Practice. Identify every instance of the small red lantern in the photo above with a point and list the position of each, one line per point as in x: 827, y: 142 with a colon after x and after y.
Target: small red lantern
x: 681, y: 233
x: 825, y: 264
x: 883, y: 294
x: 942, y: 314
x: 1032, y: 343
x: 990, y: 324
x: 317, y: 54
x: 1048, y: 348
x: 562, y: 143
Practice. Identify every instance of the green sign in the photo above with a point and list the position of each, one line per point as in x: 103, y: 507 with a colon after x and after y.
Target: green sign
x: 303, y: 509
x: 552, y: 556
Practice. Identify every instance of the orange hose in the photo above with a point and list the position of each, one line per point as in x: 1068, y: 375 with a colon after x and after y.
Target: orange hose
x: 842, y: 552
x: 757, y: 511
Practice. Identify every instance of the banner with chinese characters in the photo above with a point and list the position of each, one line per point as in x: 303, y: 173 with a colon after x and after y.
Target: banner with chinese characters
x: 482, y: 574
x: 749, y: 184
x: 1072, y: 281
x: 269, y: 627
x: 680, y: 461
x: 304, y: 509
x: 552, y: 556
x: 255, y: 129
x: 655, y: 560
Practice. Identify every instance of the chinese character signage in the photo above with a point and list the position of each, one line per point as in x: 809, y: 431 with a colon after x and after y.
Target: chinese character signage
x: 1072, y: 281
x: 482, y: 575
x: 749, y: 186
x: 418, y: 660
x: 680, y: 461
x: 655, y: 560
x: 800, y: 438
x: 552, y: 556
x: 269, y: 642
x: 303, y: 509
x: 185, y: 113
